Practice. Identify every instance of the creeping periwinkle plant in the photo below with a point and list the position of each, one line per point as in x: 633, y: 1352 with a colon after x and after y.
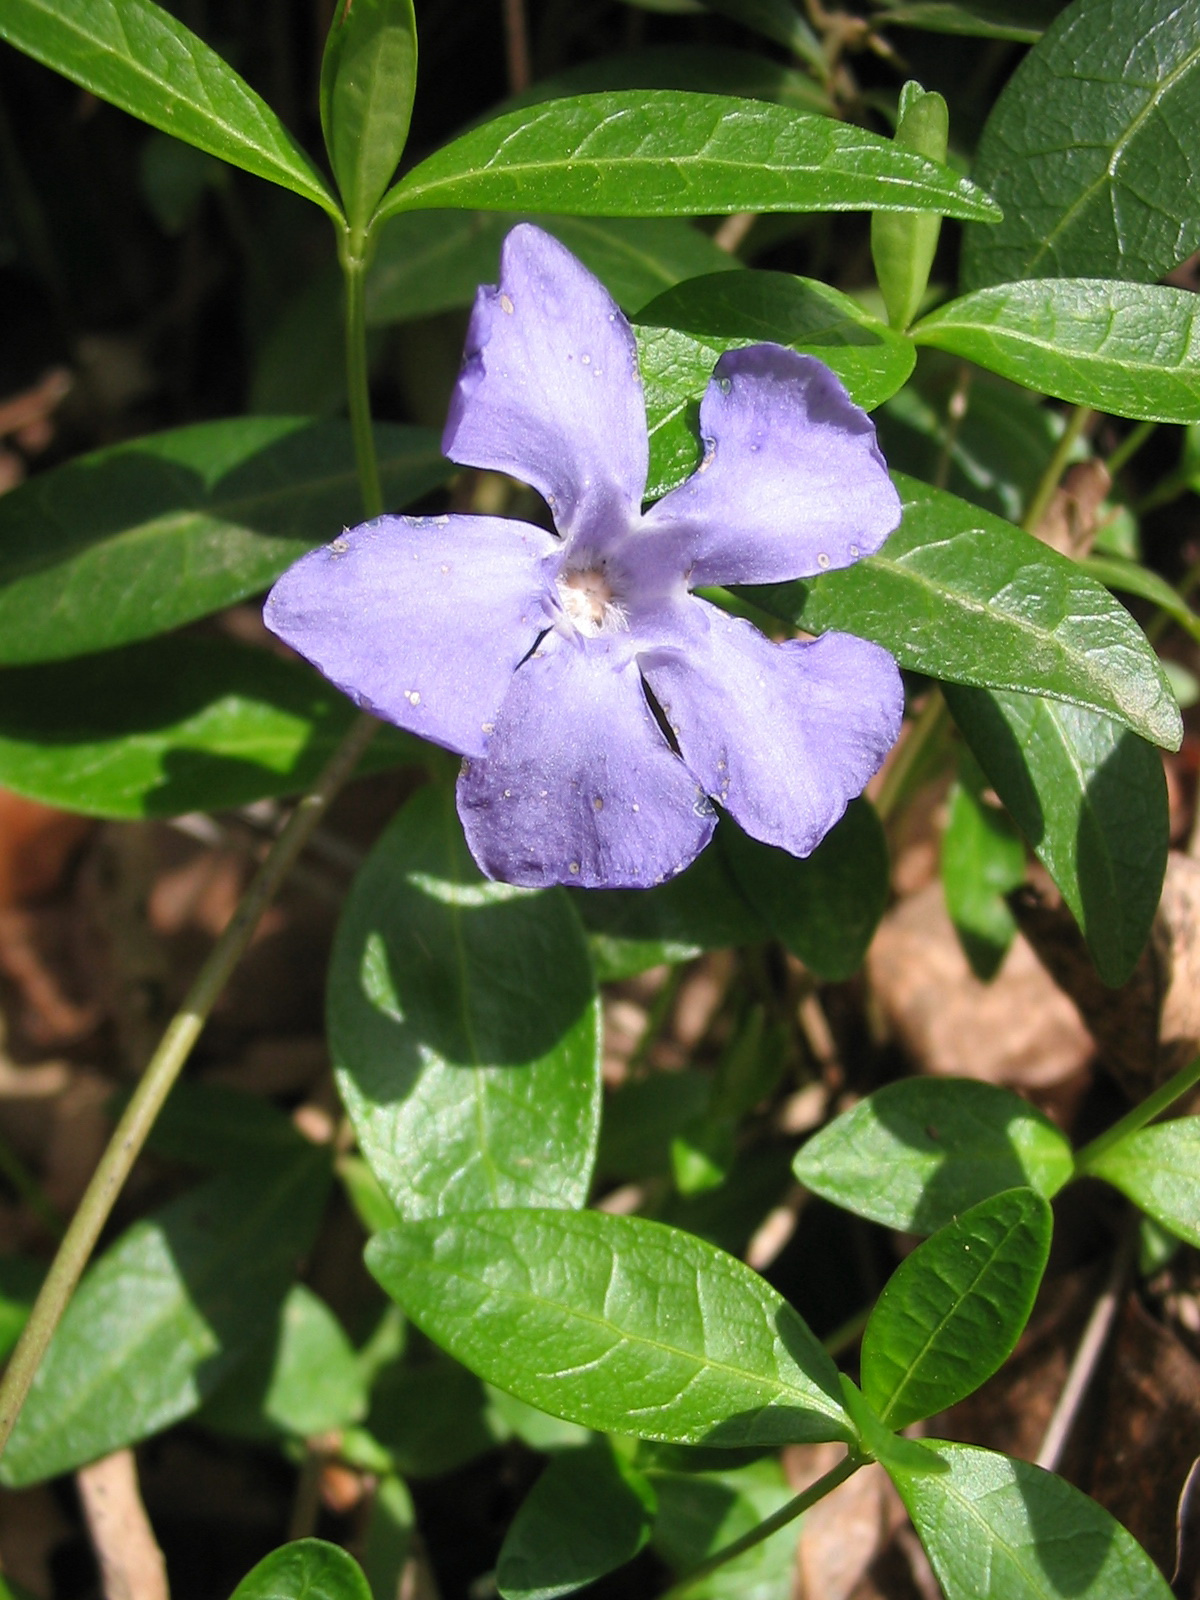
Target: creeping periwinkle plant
x: 660, y: 624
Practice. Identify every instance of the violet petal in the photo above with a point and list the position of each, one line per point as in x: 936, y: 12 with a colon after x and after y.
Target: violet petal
x: 579, y: 786
x: 792, y: 483
x: 421, y: 620
x: 782, y: 735
x: 549, y: 390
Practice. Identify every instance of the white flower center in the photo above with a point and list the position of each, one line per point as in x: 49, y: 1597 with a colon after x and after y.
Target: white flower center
x: 590, y: 602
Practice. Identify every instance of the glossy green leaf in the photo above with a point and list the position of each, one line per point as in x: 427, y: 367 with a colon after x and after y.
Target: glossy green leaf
x: 368, y: 77
x: 137, y: 55
x: 634, y: 153
x: 430, y: 261
x: 952, y: 1312
x: 682, y: 333
x: 1003, y: 1528
x: 623, y: 1325
x: 306, y: 1569
x: 1085, y: 149
x: 993, y: 454
x: 826, y: 908
x: 706, y: 69
x: 778, y: 20
x: 1159, y: 1169
x: 982, y: 860
x: 141, y: 537
x: 966, y: 597
x: 464, y: 1026
x: 1091, y: 799
x: 700, y: 1513
x: 702, y: 909
x: 589, y: 1513
x: 166, y: 1314
x: 1131, y: 349
x: 433, y: 1417
x: 916, y: 1154
x: 174, y: 725
x: 642, y: 1118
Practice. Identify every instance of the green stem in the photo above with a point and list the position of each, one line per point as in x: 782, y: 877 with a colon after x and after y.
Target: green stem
x: 165, y: 1065
x: 1129, y: 446
x: 926, y: 727
x: 779, y: 1519
x: 1150, y: 1108
x: 354, y: 253
x: 184, y: 1029
x: 1044, y: 493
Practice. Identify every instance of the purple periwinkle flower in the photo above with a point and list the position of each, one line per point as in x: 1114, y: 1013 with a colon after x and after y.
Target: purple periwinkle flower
x: 602, y: 707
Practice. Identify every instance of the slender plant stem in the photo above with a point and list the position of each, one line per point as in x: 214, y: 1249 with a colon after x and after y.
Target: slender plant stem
x: 355, y: 253
x: 772, y: 1524
x: 184, y: 1028
x: 516, y: 47
x: 1044, y: 493
x: 1150, y: 1108
x: 926, y: 728
x: 1129, y: 446
x: 160, y: 1075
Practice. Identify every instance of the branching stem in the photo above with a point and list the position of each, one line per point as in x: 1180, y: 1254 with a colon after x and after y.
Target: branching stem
x: 772, y: 1524
x: 1185, y: 1079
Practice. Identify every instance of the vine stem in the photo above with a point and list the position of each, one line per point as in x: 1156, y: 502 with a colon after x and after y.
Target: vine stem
x: 354, y: 251
x: 772, y: 1524
x: 1055, y: 467
x: 160, y: 1075
x: 1185, y: 1079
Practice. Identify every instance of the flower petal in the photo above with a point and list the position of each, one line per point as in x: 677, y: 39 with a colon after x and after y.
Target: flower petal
x: 793, y: 481
x: 421, y: 620
x: 578, y: 785
x: 549, y: 389
x: 782, y: 735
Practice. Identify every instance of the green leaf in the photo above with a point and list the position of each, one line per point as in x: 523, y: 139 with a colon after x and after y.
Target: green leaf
x: 780, y: 21
x: 589, y: 1513
x: 368, y: 77
x: 982, y: 860
x: 623, y: 1325
x: 682, y: 333
x: 387, y: 1543
x: 1131, y: 578
x: 1159, y: 1169
x: 1083, y: 149
x: 1023, y: 20
x: 702, y: 909
x: 464, y: 1026
x: 219, y: 1129
x: 1091, y: 799
x: 433, y: 1417
x: 903, y: 247
x: 656, y: 153
x: 952, y: 1312
x: 965, y: 597
x: 1003, y: 1528
x: 1131, y: 349
x: 429, y: 261
x: 700, y: 1513
x: 166, y: 1314
x: 993, y: 455
x: 943, y: 1144
x: 643, y: 1116
x: 826, y: 908
x: 130, y: 541
x: 306, y: 1569
x: 302, y: 1378
x: 20, y: 1280
x: 137, y: 55
x: 707, y: 69
x: 174, y: 725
